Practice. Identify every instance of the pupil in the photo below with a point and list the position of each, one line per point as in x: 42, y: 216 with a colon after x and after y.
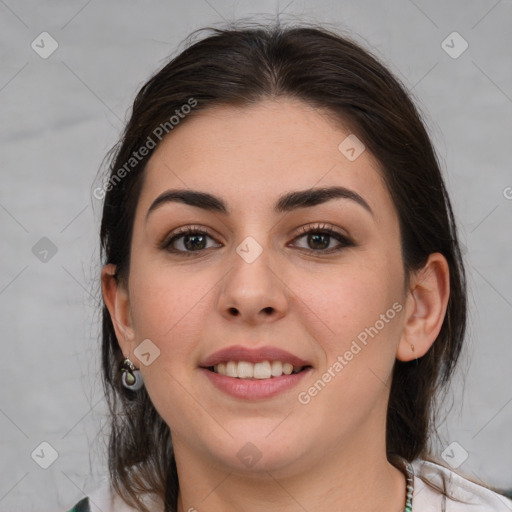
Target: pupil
x: 319, y: 237
x: 194, y: 242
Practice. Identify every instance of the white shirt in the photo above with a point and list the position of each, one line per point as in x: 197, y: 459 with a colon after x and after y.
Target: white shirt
x: 474, y: 497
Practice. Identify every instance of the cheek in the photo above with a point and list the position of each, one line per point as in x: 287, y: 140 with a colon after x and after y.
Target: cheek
x: 360, y: 327
x: 347, y: 302
x: 353, y: 316
x: 161, y: 293
x: 168, y: 306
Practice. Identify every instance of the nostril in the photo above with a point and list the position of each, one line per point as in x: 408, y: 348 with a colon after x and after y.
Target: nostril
x: 233, y: 311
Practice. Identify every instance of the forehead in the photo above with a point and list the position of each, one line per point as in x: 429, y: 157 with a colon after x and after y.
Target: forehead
x: 258, y: 151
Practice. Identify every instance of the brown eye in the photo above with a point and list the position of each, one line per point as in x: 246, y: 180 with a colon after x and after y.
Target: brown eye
x: 188, y: 241
x: 323, y: 240
x: 194, y: 242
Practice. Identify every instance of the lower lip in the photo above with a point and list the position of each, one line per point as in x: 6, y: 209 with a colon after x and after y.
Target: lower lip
x: 254, y: 389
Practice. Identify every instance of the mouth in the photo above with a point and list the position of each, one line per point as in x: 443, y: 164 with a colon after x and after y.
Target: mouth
x: 262, y: 385
x: 256, y: 371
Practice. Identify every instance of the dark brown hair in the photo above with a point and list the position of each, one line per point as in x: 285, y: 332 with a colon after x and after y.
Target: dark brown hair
x: 242, y: 66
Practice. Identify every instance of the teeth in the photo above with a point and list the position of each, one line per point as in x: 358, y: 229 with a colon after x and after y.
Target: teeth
x: 287, y: 368
x: 263, y: 370
x: 247, y: 370
x: 276, y: 368
x: 231, y: 369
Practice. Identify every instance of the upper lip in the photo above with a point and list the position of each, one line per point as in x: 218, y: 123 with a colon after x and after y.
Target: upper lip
x: 252, y: 355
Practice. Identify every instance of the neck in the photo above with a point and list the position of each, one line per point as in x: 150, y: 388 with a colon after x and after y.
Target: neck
x: 344, y: 480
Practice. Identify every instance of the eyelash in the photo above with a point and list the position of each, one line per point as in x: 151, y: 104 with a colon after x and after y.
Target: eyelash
x: 323, y: 229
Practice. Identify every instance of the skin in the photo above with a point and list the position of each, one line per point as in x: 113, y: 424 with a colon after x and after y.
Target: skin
x: 328, y: 454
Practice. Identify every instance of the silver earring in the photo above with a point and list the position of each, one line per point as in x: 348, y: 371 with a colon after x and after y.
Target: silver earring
x: 131, y: 377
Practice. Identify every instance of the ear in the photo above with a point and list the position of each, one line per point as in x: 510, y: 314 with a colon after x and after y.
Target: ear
x: 425, y: 308
x: 116, y: 298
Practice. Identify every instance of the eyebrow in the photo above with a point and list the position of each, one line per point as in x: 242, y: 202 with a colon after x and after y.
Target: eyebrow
x: 286, y: 203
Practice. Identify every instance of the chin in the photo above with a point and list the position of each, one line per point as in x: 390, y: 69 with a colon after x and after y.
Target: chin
x: 261, y: 451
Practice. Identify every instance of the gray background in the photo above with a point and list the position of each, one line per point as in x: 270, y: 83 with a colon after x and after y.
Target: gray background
x: 62, y: 114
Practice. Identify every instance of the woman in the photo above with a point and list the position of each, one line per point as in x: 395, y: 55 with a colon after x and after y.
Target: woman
x: 284, y: 295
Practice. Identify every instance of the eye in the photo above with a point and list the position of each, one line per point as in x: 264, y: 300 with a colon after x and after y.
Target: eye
x: 187, y: 240
x: 320, y: 239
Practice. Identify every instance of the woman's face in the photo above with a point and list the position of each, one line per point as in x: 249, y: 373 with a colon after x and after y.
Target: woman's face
x: 252, y: 282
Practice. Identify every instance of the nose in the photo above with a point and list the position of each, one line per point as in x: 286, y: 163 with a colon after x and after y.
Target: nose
x: 252, y: 292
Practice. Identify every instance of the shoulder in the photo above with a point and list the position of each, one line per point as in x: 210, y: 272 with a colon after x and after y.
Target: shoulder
x: 463, y: 495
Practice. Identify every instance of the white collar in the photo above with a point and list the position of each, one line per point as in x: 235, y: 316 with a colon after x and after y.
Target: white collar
x: 474, y: 497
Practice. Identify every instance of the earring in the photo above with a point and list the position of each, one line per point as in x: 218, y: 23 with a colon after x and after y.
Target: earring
x: 131, y: 377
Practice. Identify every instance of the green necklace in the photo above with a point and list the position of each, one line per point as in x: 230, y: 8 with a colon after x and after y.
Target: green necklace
x: 410, y: 485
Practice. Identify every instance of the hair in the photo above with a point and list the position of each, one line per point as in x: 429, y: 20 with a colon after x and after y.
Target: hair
x: 241, y: 66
